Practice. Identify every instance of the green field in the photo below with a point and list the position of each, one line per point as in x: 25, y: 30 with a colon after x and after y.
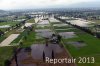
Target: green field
x: 8, y: 23
x: 5, y: 54
x: 31, y: 20
x: 28, y: 38
x: 14, y: 31
x: 92, y: 48
x: 96, y: 21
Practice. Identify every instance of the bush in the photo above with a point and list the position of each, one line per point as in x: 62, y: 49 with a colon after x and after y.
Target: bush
x: 7, y: 63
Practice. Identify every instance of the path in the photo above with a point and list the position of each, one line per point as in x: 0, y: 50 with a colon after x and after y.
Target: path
x: 8, y: 40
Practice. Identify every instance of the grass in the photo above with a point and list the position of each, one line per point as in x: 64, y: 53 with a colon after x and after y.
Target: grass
x: 3, y: 29
x: 96, y: 21
x: 8, y: 23
x: 2, y: 38
x: 68, y: 30
x: 56, y: 22
x: 5, y: 53
x: 8, y: 34
x: 31, y: 20
x: 30, y: 39
x: 63, y: 27
x: 92, y: 48
x: 30, y: 35
x: 92, y: 43
x: 20, y: 37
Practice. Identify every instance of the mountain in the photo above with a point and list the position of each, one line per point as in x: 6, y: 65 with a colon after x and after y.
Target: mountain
x: 2, y: 11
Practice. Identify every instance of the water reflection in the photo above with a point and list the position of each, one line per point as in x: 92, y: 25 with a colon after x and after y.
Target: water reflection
x: 80, y: 22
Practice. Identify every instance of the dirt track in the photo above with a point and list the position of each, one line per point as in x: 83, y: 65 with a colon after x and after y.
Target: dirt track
x: 8, y: 40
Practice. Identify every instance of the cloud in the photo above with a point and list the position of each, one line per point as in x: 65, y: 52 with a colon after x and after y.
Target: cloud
x: 22, y: 4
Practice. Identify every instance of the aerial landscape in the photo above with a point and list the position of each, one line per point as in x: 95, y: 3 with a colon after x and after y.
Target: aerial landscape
x: 50, y: 33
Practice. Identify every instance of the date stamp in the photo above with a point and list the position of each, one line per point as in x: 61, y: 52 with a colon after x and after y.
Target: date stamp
x: 85, y: 60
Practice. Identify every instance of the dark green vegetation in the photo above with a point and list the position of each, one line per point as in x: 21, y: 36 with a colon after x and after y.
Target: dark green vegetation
x: 31, y: 20
x: 62, y: 27
x: 67, y: 30
x: 92, y: 48
x: 96, y: 21
x: 5, y: 54
x: 9, y: 23
x: 7, y: 34
x: 20, y: 37
x: 27, y: 38
x: 56, y: 23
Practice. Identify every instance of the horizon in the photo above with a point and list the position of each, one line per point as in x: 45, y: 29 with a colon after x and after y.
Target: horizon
x: 31, y: 4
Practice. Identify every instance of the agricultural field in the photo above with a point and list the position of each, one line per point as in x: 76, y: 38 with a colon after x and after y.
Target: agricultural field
x: 5, y: 54
x: 9, y: 23
x: 96, y: 21
x: 80, y: 45
x: 77, y: 42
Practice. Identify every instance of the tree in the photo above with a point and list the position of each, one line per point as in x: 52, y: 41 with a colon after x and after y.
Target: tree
x: 52, y: 54
x: 7, y: 63
x: 43, y: 56
x: 15, y: 55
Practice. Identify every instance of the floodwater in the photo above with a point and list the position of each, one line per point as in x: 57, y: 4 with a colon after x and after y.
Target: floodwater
x: 67, y: 34
x: 38, y: 49
x: 43, y: 22
x: 77, y: 44
x: 5, y: 26
x: 80, y: 22
x: 43, y: 25
x: 29, y: 24
x: 36, y: 54
x: 53, y: 20
x: 60, y: 25
x: 43, y: 33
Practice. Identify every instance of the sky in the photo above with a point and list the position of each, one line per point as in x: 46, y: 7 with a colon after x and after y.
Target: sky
x: 33, y: 4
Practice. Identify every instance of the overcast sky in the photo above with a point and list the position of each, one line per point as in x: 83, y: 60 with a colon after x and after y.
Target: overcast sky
x: 27, y: 4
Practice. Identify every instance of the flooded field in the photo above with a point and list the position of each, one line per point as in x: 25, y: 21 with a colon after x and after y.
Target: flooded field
x: 60, y: 25
x: 67, y: 34
x: 5, y: 26
x: 79, y: 22
x: 43, y: 22
x: 54, y: 20
x: 42, y: 33
x: 35, y: 56
x: 47, y: 50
